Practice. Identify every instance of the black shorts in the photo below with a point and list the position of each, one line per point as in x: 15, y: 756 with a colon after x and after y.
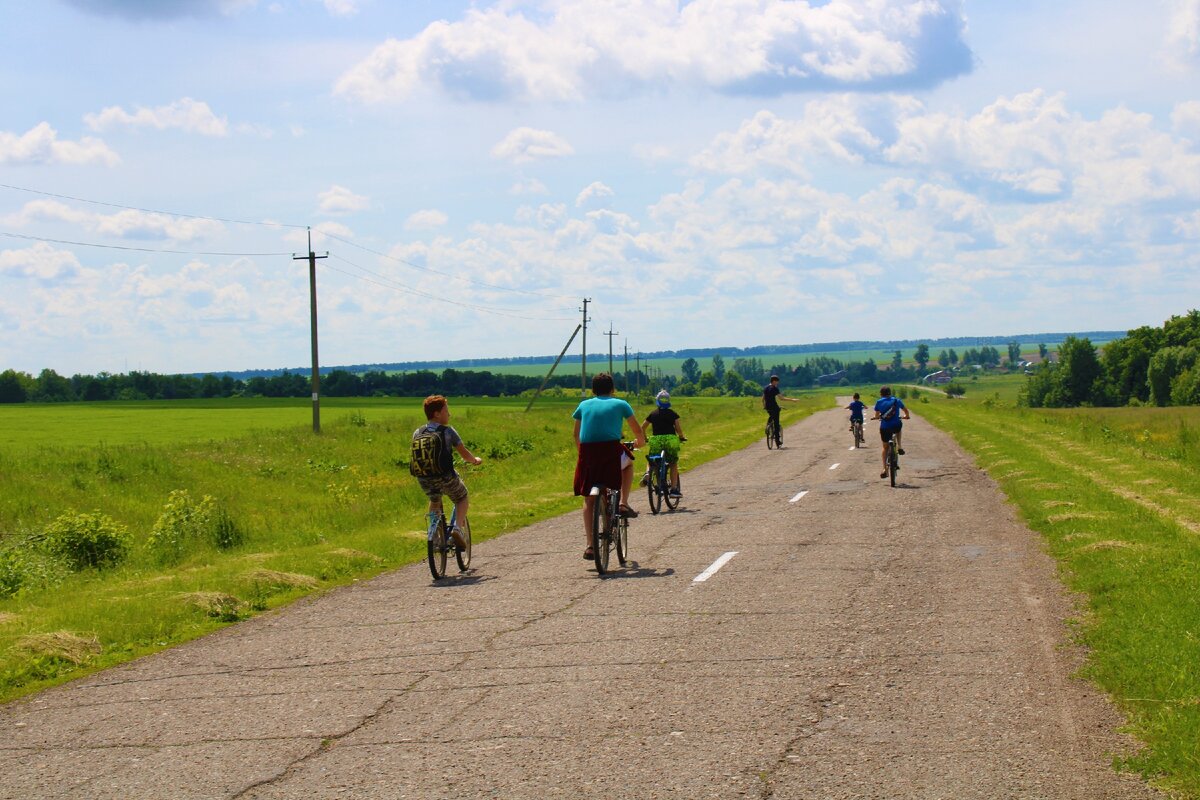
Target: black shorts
x: 886, y: 433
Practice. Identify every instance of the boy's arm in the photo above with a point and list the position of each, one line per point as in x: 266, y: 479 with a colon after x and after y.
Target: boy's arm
x: 639, y: 436
x: 577, y: 426
x: 467, y: 455
x: 678, y: 428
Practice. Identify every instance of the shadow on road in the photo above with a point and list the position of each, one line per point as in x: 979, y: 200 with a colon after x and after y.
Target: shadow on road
x: 464, y: 579
x: 634, y: 571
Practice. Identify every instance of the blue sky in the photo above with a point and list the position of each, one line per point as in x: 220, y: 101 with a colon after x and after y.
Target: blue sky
x: 714, y: 172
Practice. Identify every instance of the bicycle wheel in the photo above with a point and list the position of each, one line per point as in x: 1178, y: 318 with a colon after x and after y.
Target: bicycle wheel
x: 621, y: 539
x: 602, y: 524
x: 770, y: 435
x: 672, y: 499
x: 436, y: 547
x: 463, y: 554
x: 653, y: 487
x: 893, y: 461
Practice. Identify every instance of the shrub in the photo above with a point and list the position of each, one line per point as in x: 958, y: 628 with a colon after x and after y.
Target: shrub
x: 12, y: 576
x: 224, y: 532
x: 186, y: 523
x: 85, y: 540
x: 954, y: 389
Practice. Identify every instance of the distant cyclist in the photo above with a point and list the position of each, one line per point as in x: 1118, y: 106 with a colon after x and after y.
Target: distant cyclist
x: 856, y: 409
x: 667, y: 433
x: 888, y: 411
x: 771, y: 396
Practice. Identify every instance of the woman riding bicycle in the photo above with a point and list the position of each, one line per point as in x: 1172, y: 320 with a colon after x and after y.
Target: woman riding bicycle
x: 603, y: 459
x: 667, y: 433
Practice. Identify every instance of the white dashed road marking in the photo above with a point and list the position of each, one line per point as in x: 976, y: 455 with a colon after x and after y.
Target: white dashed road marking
x: 716, y: 565
x: 835, y: 466
x: 798, y: 496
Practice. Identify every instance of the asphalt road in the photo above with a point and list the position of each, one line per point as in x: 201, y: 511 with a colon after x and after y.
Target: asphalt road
x: 864, y: 642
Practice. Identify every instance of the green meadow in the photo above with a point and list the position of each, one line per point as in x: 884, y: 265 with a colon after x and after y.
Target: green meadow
x: 1115, y: 495
x: 290, y: 512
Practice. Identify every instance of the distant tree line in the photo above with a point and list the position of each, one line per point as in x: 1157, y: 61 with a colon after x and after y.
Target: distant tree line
x: 50, y: 387
x: 1155, y: 366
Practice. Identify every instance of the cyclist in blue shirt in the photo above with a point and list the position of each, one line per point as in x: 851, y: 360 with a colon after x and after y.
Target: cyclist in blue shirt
x: 888, y: 410
x: 856, y: 409
x: 602, y: 456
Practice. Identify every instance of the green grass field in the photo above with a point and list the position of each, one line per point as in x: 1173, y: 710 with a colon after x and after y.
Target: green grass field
x: 315, y: 511
x: 1115, y: 493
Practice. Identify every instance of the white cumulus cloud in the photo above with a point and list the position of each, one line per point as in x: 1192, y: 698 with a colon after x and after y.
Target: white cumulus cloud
x: 342, y: 8
x: 560, y: 51
x: 1183, y: 33
x: 523, y: 145
x: 529, y: 186
x: 41, y: 261
x: 340, y: 200
x: 185, y: 114
x: 425, y: 219
x: 41, y: 145
x: 595, y: 195
x: 127, y: 223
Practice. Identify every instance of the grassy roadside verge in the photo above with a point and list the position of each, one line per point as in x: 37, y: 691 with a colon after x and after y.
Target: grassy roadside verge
x: 310, y: 512
x: 1115, y: 494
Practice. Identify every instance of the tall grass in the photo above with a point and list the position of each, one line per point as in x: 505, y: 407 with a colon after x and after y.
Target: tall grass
x: 1115, y: 493
x: 309, y: 511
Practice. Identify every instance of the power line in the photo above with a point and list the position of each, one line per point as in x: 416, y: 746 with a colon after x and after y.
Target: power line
x: 388, y: 283
x: 149, y: 210
x: 138, y: 249
x: 444, y: 274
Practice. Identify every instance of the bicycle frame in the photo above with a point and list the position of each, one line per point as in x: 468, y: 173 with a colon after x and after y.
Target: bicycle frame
x: 439, y: 543
x: 608, y: 529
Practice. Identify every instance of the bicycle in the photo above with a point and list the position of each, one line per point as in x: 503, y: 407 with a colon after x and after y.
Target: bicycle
x: 857, y: 427
x: 774, y: 434
x: 659, y: 485
x: 609, y: 527
x: 439, y: 543
x: 893, y: 458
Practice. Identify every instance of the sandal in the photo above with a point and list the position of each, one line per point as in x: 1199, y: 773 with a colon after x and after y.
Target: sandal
x: 625, y: 511
x: 589, y: 554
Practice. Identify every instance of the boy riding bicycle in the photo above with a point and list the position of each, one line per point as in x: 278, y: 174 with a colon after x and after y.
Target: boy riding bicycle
x: 771, y: 396
x: 433, y: 463
x: 856, y: 409
x: 888, y: 410
x: 603, y: 459
x: 667, y: 433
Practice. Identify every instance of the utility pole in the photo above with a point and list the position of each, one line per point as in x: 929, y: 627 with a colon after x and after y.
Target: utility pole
x: 312, y: 310
x: 611, y: 333
x: 626, y: 365
x: 637, y: 385
x: 583, y: 361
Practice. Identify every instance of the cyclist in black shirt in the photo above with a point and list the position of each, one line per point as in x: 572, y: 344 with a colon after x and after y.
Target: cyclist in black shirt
x: 771, y: 396
x: 668, y: 433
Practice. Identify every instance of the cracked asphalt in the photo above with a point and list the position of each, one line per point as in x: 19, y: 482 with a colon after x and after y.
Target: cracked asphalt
x: 864, y: 642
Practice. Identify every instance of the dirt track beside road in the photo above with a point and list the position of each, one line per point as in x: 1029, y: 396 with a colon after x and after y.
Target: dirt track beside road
x: 864, y: 642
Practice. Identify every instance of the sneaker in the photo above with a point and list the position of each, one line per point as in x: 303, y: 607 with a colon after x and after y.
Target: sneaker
x: 645, y: 479
x: 626, y: 511
x: 900, y: 451
x: 459, y: 539
x: 676, y: 493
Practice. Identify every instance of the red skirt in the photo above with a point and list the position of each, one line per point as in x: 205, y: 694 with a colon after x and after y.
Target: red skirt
x: 599, y: 463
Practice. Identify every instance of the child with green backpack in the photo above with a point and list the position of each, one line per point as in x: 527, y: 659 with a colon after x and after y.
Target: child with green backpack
x: 432, y: 462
